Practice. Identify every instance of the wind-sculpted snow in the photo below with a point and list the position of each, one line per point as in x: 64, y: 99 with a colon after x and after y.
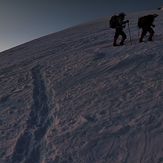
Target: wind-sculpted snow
x: 71, y: 97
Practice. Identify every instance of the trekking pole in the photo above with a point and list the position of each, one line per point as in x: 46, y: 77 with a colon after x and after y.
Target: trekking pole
x: 129, y: 33
x: 138, y: 33
x: 106, y: 23
x: 138, y: 27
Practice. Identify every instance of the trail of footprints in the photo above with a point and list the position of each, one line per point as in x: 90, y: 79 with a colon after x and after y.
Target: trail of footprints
x: 30, y: 144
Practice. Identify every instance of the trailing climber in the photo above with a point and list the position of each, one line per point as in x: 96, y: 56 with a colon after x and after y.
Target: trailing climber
x: 146, y: 23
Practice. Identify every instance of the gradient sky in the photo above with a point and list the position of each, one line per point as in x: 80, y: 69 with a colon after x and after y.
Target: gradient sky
x: 24, y: 20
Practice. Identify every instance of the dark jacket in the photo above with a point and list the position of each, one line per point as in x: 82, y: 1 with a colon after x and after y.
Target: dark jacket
x: 121, y: 23
x: 147, y: 21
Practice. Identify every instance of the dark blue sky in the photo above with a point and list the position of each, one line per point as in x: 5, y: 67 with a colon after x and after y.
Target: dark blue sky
x: 24, y: 20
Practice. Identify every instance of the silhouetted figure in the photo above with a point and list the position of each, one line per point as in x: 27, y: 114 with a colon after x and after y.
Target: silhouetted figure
x: 119, y: 24
x: 146, y: 23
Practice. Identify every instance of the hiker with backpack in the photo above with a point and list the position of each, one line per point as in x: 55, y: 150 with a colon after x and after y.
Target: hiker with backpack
x: 118, y: 23
x: 146, y: 23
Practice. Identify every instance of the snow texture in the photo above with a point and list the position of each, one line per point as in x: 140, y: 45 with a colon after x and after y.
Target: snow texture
x: 71, y: 97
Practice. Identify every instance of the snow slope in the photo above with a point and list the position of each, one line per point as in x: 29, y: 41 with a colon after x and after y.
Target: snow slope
x: 71, y: 97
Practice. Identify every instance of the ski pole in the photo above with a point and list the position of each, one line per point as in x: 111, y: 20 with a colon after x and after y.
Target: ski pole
x: 129, y: 33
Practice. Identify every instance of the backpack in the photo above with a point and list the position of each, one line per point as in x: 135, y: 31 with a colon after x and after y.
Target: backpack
x: 141, y: 22
x: 113, y: 21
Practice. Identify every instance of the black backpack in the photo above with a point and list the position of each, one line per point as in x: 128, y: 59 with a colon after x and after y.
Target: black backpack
x: 141, y: 21
x: 113, y: 21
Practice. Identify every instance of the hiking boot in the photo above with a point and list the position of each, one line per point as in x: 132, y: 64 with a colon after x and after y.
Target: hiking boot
x: 114, y: 44
x: 140, y: 40
x: 150, y: 39
x: 121, y: 43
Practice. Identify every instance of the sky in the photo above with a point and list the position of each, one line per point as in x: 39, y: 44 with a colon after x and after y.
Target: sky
x: 25, y: 20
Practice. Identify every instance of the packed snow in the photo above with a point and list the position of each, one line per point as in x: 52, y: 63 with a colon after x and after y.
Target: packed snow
x: 71, y: 97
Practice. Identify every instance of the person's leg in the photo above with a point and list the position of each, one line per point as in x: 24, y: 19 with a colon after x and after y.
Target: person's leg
x: 151, y: 32
x: 123, y: 37
x: 144, y: 32
x: 116, y: 37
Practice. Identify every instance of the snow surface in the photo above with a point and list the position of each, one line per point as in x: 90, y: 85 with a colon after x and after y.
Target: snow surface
x: 71, y: 97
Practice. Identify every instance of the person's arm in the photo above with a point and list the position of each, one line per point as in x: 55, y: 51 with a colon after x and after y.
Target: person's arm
x: 127, y: 21
x: 124, y: 23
